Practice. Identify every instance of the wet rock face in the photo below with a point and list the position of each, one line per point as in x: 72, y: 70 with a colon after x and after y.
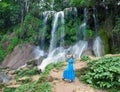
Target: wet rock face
x: 19, y: 57
x: 88, y: 52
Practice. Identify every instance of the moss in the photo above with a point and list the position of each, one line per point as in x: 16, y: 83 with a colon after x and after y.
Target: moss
x: 104, y: 38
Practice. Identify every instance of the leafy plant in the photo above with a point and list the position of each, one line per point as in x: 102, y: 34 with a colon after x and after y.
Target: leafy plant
x: 84, y: 58
x: 43, y: 87
x: 27, y: 72
x: 117, y: 26
x: 82, y: 2
x: 103, y: 73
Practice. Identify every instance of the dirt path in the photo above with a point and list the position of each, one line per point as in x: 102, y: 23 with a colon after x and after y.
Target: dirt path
x: 58, y: 85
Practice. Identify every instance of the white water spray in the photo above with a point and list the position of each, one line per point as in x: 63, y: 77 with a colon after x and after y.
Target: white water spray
x: 98, y: 47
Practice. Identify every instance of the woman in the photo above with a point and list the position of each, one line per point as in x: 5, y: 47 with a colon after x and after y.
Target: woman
x: 68, y: 73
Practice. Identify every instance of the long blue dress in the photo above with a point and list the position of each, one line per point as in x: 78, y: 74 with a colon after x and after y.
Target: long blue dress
x: 69, y: 73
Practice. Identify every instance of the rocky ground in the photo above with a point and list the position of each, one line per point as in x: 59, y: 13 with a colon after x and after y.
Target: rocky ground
x: 58, y: 85
x: 55, y: 79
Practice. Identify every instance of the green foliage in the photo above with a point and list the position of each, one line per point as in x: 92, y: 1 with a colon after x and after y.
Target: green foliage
x: 103, y: 73
x: 9, y: 13
x: 43, y: 87
x: 27, y: 72
x: 80, y: 72
x: 31, y: 87
x: 117, y: 26
x: 9, y: 90
x: 12, y: 43
x: 88, y: 34
x: 2, y: 53
x: 26, y: 87
x: 51, y: 66
x: 84, y: 58
x: 82, y: 2
x: 30, y: 26
x: 71, y: 27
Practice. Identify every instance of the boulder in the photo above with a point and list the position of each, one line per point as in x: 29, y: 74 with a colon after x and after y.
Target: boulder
x: 19, y: 56
x: 88, y: 52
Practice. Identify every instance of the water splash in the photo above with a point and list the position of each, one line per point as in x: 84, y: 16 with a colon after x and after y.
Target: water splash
x: 59, y: 54
x: 37, y: 52
x: 56, y: 55
x: 98, y: 47
x: 78, y: 48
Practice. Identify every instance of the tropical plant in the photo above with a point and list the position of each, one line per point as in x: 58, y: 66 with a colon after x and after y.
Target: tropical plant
x: 103, y: 73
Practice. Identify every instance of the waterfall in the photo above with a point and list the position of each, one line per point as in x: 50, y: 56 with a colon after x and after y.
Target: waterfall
x: 82, y: 33
x: 37, y: 52
x: 58, y: 54
x: 62, y: 31
x: 78, y: 48
x: 95, y: 20
x: 84, y: 24
x: 68, y: 11
x: 27, y: 3
x: 43, y: 31
x: 98, y: 47
x: 54, y: 28
x: 75, y: 12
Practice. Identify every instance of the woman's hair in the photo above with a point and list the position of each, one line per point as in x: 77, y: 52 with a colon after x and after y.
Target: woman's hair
x: 71, y: 56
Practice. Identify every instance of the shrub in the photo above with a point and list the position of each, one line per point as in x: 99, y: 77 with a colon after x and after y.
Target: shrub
x: 84, y: 58
x: 103, y: 73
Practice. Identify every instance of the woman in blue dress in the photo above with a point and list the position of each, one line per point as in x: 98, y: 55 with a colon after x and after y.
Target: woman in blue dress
x: 69, y: 73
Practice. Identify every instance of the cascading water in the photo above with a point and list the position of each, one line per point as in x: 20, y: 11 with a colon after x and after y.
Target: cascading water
x: 27, y: 3
x: 62, y: 31
x: 57, y: 54
x: 95, y: 20
x: 55, y: 24
x: 75, y: 12
x: 45, y: 16
x: 78, y: 48
x: 81, y: 34
x: 68, y: 11
x: 98, y: 47
x: 37, y: 52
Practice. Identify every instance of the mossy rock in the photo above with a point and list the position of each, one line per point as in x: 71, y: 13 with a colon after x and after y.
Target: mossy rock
x: 104, y: 38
